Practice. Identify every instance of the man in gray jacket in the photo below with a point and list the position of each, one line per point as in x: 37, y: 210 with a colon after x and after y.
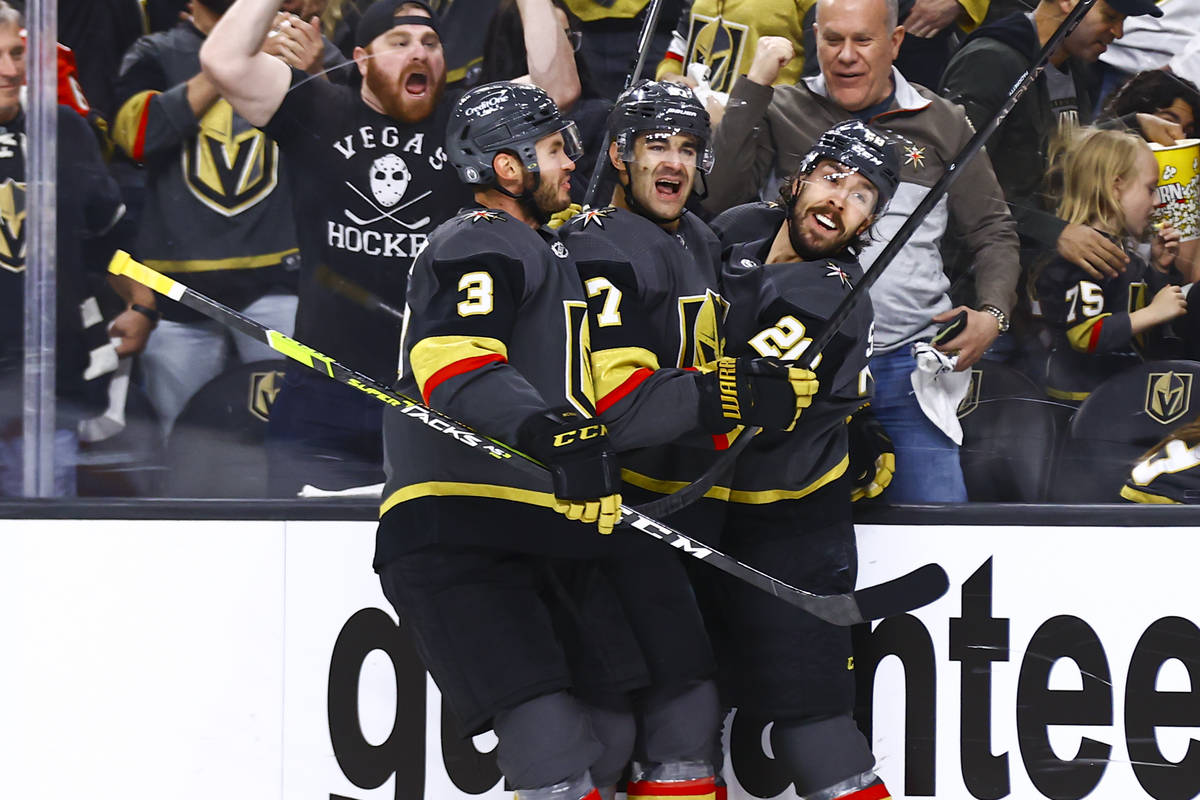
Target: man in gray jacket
x: 765, y: 133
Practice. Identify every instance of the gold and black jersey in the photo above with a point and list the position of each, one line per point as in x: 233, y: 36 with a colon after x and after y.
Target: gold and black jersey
x: 656, y: 315
x: 495, y: 330
x: 775, y: 311
x: 1169, y: 475
x: 1089, y: 323
x: 218, y: 203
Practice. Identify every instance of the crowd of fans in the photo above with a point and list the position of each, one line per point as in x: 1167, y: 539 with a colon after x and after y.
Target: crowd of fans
x: 300, y: 196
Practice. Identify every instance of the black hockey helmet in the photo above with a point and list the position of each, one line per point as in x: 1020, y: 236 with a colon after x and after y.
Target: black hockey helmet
x: 658, y: 106
x: 864, y: 150
x: 503, y: 117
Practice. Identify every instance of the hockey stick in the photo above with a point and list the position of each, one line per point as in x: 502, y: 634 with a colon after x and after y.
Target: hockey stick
x: 897, y: 596
x: 969, y: 151
x: 669, y: 504
x: 645, y: 36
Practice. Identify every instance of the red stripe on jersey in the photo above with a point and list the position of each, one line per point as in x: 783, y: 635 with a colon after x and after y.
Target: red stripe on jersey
x: 698, y: 788
x: 457, y: 368
x: 1095, y: 335
x: 720, y: 441
x: 876, y: 791
x: 139, y: 141
x: 628, y: 385
x: 673, y: 56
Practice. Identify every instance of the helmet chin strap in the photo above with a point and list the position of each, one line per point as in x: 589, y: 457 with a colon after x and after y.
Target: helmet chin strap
x: 527, y: 199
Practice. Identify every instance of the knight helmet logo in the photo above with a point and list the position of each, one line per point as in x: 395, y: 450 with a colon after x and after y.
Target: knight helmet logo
x: 389, y: 179
x: 12, y: 225
x: 970, y: 400
x: 264, y: 387
x: 1168, y: 396
x: 717, y: 43
x: 230, y: 166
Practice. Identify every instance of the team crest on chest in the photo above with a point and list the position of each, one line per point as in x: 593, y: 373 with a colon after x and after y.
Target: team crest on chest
x: 594, y: 215
x: 484, y: 215
x: 13, y: 216
x: 914, y: 156
x: 230, y: 166
x: 837, y: 272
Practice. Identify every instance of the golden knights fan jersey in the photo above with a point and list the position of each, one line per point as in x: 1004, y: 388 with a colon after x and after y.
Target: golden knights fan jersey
x: 774, y: 310
x: 654, y: 305
x: 1089, y: 323
x: 218, y: 205
x: 496, y: 330
x: 723, y: 35
x: 1169, y: 475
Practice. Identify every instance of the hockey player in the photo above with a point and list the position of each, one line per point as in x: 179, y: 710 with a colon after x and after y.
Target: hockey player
x: 544, y: 651
x: 1170, y: 471
x: 650, y: 270
x: 789, y: 509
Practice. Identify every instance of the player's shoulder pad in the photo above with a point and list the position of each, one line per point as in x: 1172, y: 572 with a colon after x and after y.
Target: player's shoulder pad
x: 748, y: 222
x: 608, y: 233
x: 483, y: 233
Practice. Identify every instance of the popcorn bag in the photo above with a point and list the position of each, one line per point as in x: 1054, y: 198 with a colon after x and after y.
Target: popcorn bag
x: 1177, y: 204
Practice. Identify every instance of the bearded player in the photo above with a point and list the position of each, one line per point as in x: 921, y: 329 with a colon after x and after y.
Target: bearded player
x: 789, y: 501
x: 530, y: 623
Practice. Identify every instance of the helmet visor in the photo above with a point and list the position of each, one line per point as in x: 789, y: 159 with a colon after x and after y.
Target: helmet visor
x: 572, y: 143
x: 660, y: 146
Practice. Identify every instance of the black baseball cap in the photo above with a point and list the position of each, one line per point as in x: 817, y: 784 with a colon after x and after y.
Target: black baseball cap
x: 1136, y: 8
x: 383, y: 15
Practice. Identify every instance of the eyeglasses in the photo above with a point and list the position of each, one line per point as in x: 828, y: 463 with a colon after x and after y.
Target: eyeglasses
x: 575, y: 38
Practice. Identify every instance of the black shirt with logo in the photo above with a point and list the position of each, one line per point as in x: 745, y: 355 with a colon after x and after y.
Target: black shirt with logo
x: 368, y: 192
x: 88, y: 205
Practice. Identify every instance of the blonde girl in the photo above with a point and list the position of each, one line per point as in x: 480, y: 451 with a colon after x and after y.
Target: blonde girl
x: 1099, y: 327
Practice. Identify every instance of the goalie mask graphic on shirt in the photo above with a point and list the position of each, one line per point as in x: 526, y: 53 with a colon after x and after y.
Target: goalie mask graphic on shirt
x: 389, y: 179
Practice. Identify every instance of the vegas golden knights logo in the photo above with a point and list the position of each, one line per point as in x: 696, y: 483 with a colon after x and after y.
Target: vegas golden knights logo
x: 1168, y: 396
x: 717, y: 43
x: 700, y: 320
x: 264, y: 386
x: 12, y: 225
x: 230, y: 166
x: 970, y: 400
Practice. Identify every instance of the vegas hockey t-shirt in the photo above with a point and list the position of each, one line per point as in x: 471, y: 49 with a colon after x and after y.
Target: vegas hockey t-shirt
x: 369, y: 190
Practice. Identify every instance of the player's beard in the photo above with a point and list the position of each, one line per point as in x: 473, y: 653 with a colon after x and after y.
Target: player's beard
x: 544, y: 199
x: 811, y: 251
x: 390, y: 94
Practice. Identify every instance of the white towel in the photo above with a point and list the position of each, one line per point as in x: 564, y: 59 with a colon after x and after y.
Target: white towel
x: 939, y: 388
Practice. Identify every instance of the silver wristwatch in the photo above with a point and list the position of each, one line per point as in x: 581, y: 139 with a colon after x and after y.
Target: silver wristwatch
x: 1001, y: 317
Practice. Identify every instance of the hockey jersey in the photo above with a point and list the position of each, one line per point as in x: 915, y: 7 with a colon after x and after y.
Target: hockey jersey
x: 723, y: 35
x: 495, y: 330
x: 1090, y: 326
x: 218, y: 202
x: 1169, y: 475
x: 655, y: 316
x: 774, y: 311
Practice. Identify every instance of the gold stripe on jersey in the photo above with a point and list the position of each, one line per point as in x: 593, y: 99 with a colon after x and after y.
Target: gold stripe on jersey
x: 1062, y: 394
x: 218, y: 264
x: 129, y: 130
x: 456, y: 489
x: 433, y: 354
x: 761, y: 497
x: 975, y: 10
x: 1081, y: 336
x: 611, y: 368
x: 1138, y: 496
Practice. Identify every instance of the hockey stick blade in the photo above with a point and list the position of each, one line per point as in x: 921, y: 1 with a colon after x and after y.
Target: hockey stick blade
x: 839, y: 609
x: 900, y: 595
